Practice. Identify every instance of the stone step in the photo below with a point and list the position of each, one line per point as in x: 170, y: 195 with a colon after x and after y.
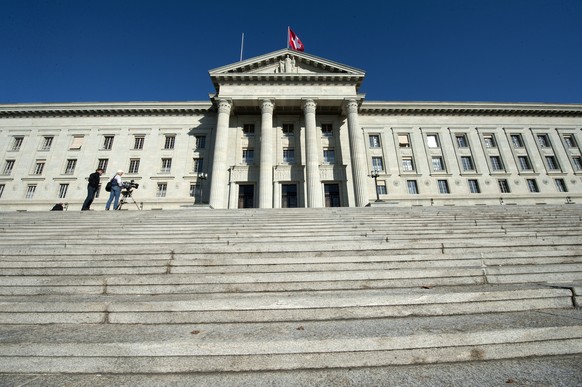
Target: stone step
x: 364, y: 246
x: 263, y: 265
x: 151, y: 349
x: 209, y: 259
x: 279, y: 306
x: 556, y: 370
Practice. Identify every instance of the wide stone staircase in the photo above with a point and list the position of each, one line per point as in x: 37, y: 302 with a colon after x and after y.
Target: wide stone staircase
x: 226, y: 297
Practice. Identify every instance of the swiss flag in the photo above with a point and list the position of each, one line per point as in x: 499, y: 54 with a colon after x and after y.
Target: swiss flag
x: 294, y: 41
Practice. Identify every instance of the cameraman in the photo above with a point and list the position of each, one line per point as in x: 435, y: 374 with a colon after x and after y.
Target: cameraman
x: 116, y: 185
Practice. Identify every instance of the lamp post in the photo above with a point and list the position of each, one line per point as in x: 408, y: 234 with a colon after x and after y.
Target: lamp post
x: 202, y: 176
x: 375, y: 175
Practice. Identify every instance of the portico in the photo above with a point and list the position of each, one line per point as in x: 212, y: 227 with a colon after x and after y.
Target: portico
x: 290, y: 96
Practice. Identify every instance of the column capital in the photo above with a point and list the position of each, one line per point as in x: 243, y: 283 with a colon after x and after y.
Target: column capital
x: 351, y: 105
x: 267, y: 105
x: 224, y: 105
x: 309, y: 105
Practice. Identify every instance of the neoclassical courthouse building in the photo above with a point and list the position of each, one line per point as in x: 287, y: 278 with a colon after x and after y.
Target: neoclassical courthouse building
x: 290, y: 129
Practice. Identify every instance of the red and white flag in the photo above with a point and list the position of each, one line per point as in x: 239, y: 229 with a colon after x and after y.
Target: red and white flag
x: 294, y: 41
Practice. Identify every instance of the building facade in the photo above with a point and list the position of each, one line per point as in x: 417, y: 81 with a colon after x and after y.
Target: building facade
x: 289, y: 129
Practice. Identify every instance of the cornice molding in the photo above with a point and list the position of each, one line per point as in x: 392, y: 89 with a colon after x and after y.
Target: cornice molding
x: 366, y: 107
x: 471, y: 109
x: 104, y: 109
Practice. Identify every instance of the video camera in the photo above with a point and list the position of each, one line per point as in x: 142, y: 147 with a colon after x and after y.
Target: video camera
x: 128, y: 186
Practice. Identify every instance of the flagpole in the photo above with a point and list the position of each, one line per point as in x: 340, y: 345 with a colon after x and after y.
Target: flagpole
x: 242, y: 43
x: 287, y: 36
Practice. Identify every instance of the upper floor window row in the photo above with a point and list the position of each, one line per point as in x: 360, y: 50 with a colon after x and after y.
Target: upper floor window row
x: 374, y: 140
x: 570, y: 141
x: 249, y: 129
x: 17, y: 143
x: 432, y: 141
x: 489, y: 140
x: 462, y: 141
x: 288, y: 130
x: 327, y: 129
x: 170, y: 141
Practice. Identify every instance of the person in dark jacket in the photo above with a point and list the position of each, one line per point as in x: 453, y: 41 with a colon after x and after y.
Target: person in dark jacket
x: 92, y: 187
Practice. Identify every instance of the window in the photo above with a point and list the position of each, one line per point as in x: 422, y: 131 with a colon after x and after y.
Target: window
x: 467, y: 162
x: 374, y: 140
x: 404, y: 141
x: 138, y: 142
x: 166, y: 166
x: 517, y: 141
x: 377, y: 164
x: 77, y: 142
x: 432, y: 140
x: 248, y: 155
x: 30, y: 189
x: 8, y: 166
x: 569, y: 141
x: 532, y: 185
x: 1, y: 189
x: 288, y: 155
x: 288, y: 130
x: 63, y: 188
x: 17, y: 143
x: 503, y: 185
x: 170, y: 141
x: 543, y: 140
x: 198, y: 164
x: 38, y: 168
x: 561, y: 185
x: 327, y: 130
x: 552, y: 163
x: 108, y: 142
x: 407, y: 164
x: 200, y: 142
x: 474, y: 186
x: 70, y: 168
x: 412, y: 187
x: 329, y: 155
x: 193, y: 187
x: 103, y: 164
x: 489, y: 141
x: 524, y: 163
x: 162, y: 188
x: 249, y: 129
x: 46, y: 143
x: 462, y: 141
x: 133, y: 166
x: 496, y: 163
x: 577, y: 161
x: 381, y: 188
x: 437, y: 164
x: 443, y: 186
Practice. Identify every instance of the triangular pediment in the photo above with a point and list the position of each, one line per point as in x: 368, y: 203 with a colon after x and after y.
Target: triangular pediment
x: 285, y: 64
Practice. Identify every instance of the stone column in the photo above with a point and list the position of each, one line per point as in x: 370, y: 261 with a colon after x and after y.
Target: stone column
x: 219, y: 176
x: 266, y: 162
x: 314, y: 192
x: 358, y: 154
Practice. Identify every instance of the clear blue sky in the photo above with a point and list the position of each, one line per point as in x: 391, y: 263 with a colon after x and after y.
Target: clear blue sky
x: 411, y: 50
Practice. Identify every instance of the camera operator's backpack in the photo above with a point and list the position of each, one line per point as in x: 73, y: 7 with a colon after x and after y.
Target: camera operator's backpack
x: 108, y: 186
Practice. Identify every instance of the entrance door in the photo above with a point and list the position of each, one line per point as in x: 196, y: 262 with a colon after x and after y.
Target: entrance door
x: 289, y: 195
x: 332, y: 195
x: 246, y: 196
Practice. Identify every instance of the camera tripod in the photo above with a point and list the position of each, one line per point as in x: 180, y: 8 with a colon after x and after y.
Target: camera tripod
x: 125, y: 196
